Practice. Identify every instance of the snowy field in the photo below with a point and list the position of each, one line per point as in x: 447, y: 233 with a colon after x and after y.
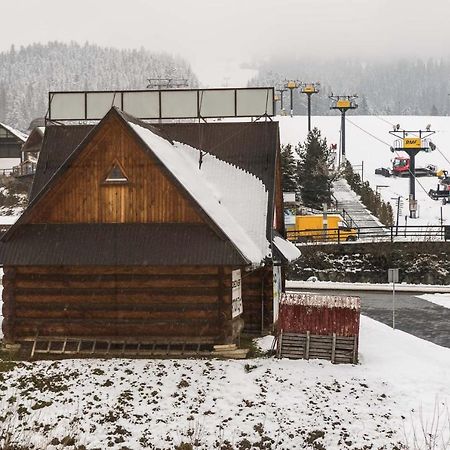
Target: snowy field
x: 400, y: 385
x: 368, y: 148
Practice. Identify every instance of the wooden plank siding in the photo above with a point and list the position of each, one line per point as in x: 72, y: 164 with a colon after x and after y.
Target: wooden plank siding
x: 257, y: 294
x: 116, y: 302
x: 82, y: 196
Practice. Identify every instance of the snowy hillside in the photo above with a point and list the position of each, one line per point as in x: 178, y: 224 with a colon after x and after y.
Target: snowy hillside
x: 28, y: 73
x: 368, y: 141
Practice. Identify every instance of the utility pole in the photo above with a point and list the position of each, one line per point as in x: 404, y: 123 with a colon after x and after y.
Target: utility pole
x: 166, y: 83
x: 292, y: 85
x: 343, y: 103
x: 412, y: 142
x: 281, y: 91
x: 309, y: 89
x: 398, y: 199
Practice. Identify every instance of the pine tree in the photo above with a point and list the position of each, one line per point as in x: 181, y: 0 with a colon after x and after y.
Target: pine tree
x: 288, y: 169
x: 314, y: 175
x: 434, y: 111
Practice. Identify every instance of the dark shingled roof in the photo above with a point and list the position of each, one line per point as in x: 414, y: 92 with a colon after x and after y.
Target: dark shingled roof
x: 118, y: 244
x: 251, y: 146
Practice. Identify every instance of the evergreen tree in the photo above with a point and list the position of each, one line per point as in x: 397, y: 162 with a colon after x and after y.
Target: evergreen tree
x: 314, y: 175
x: 288, y: 169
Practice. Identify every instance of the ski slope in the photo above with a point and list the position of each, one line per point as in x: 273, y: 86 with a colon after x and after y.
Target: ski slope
x: 368, y: 141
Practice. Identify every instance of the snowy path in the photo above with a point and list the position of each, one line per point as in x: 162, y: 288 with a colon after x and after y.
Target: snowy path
x: 349, y: 201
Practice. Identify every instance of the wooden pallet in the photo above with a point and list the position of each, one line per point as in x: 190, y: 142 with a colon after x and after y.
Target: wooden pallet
x: 337, y: 349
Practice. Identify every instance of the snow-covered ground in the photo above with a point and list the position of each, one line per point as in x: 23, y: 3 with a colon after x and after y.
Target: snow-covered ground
x: 366, y: 148
x: 400, y: 384
x: 9, y: 163
x: 438, y: 299
x: 9, y: 220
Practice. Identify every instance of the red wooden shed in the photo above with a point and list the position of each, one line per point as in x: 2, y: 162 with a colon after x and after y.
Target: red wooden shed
x: 319, y: 326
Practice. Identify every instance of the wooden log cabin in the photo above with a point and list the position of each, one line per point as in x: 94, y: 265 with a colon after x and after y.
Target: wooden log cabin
x: 143, y: 233
x: 11, y: 141
x: 29, y: 155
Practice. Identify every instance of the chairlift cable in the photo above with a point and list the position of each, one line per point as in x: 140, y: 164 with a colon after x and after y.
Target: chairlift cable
x: 396, y: 152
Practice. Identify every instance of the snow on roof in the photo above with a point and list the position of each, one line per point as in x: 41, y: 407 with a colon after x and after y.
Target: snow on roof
x: 234, y: 199
x: 321, y: 301
x: 286, y: 248
x: 22, y: 136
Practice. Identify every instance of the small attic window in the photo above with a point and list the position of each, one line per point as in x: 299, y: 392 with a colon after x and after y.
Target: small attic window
x: 116, y: 175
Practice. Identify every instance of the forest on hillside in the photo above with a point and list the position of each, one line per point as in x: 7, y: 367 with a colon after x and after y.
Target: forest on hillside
x: 403, y: 87
x: 29, y: 73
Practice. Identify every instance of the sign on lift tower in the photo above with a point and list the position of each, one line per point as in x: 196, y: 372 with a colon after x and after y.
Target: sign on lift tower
x: 412, y: 142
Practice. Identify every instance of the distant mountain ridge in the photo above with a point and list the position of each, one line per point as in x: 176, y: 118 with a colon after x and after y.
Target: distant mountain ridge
x: 28, y: 73
x: 400, y: 87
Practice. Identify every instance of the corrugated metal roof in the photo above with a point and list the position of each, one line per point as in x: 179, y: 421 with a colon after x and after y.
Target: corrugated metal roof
x: 118, y: 244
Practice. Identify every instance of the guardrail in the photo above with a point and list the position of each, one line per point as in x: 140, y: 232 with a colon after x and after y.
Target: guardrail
x: 420, y: 233
x: 25, y: 169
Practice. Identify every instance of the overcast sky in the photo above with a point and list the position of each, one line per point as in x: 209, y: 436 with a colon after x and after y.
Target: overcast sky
x: 218, y: 37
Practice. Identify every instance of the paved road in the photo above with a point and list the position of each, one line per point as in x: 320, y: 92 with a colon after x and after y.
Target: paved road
x: 413, y: 315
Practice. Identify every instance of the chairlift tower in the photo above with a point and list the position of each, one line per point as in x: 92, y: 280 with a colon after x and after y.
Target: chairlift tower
x: 281, y: 91
x: 343, y: 103
x: 412, y: 142
x: 292, y: 85
x: 309, y: 89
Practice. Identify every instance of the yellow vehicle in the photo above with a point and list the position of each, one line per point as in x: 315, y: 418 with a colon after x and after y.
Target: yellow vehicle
x: 311, y: 228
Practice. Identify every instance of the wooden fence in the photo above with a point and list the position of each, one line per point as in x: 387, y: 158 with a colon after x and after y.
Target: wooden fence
x: 337, y: 349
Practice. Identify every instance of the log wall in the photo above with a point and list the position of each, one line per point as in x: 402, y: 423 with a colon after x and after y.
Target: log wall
x: 118, y: 302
